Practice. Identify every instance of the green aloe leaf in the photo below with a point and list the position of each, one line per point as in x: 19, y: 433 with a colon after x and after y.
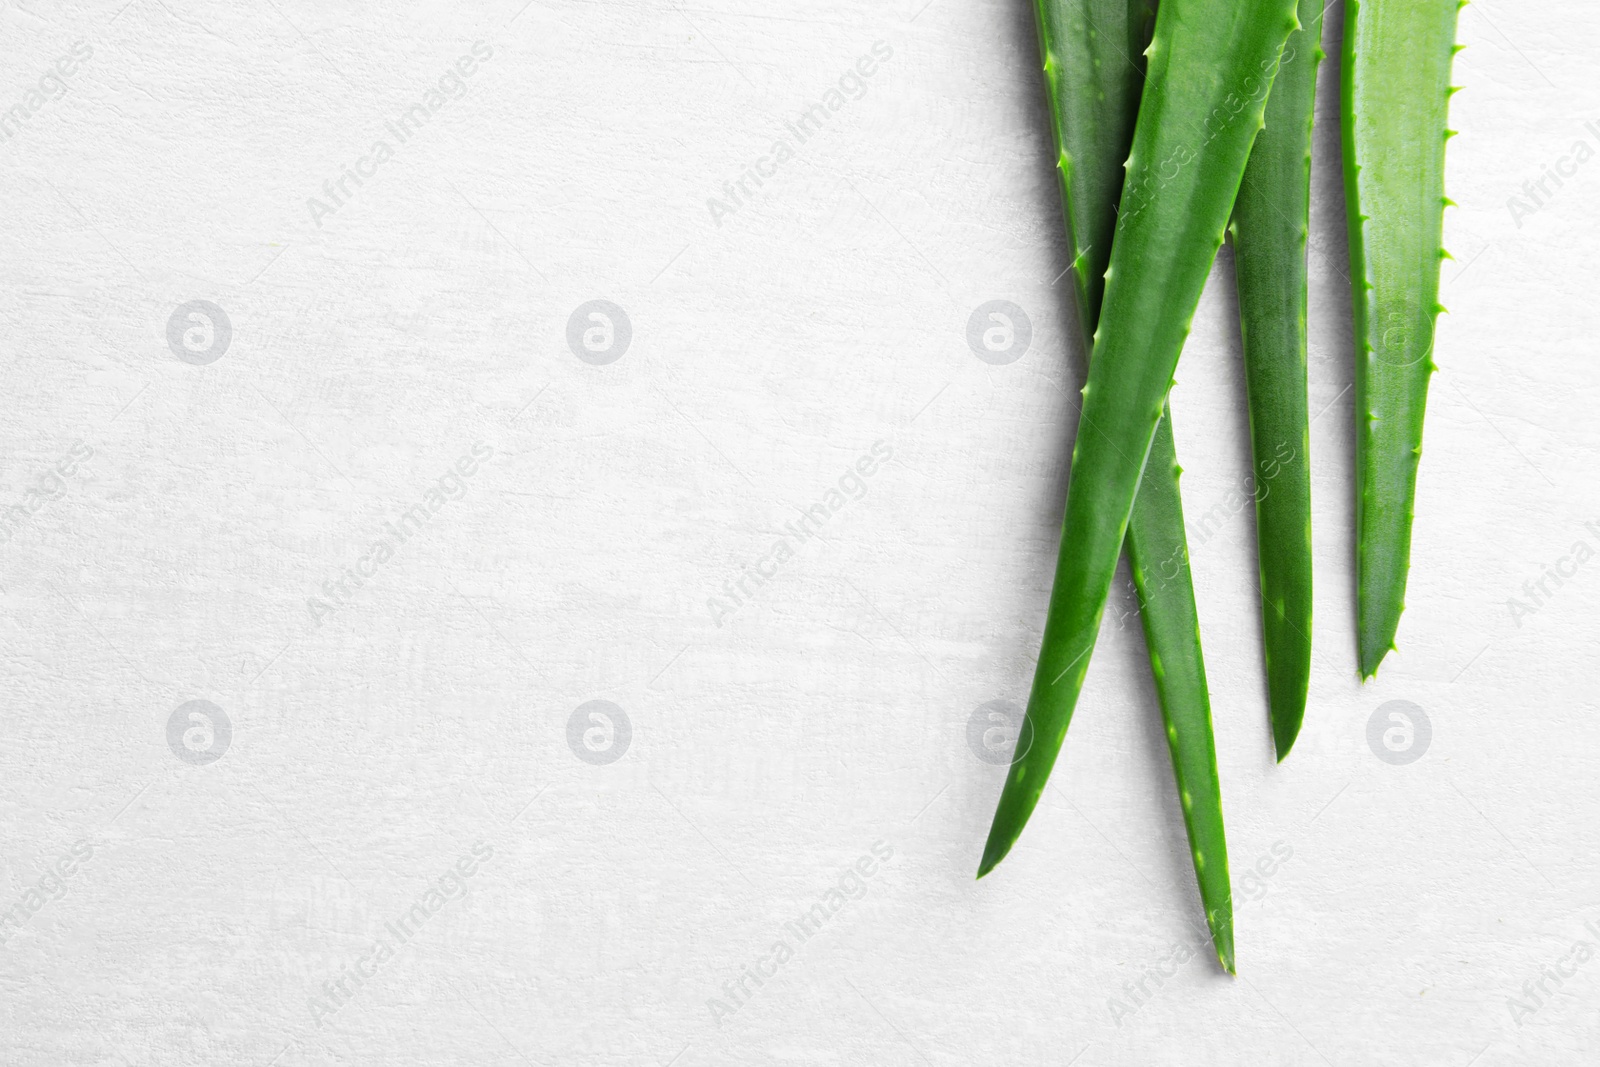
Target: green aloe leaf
x: 1210, y: 68
x: 1270, y: 223
x: 1396, y: 92
x: 1093, y: 64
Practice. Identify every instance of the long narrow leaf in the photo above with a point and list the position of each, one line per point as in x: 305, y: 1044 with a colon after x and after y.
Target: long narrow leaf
x: 1270, y: 223
x: 1211, y: 64
x: 1396, y: 91
x: 1093, y: 65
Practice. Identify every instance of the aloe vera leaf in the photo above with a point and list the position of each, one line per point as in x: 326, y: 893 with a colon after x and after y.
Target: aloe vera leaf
x: 1210, y: 67
x: 1092, y: 52
x: 1270, y: 223
x: 1396, y: 96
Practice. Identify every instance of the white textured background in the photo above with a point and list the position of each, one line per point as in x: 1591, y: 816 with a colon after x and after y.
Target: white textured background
x: 430, y: 711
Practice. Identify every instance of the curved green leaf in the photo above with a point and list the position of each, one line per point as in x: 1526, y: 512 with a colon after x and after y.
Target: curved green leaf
x: 1396, y: 91
x: 1211, y: 64
x: 1270, y: 222
x: 1093, y: 65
